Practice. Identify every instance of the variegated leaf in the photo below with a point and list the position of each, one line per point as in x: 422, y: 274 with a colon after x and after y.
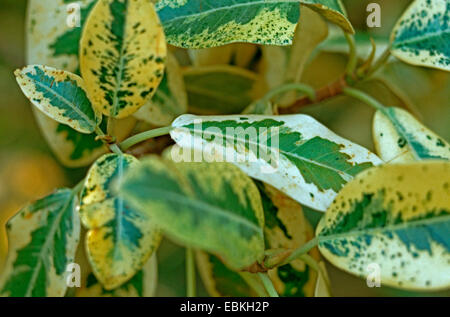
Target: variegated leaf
x: 122, y: 55
x: 50, y: 41
x: 43, y: 239
x: 294, y: 153
x: 287, y: 228
x: 60, y: 95
x: 200, y: 24
x: 333, y: 11
x: 219, y: 280
x: 120, y: 238
x: 142, y: 284
x: 221, y: 89
x: 214, y: 207
x: 422, y: 34
x: 169, y: 101
x: 400, y: 138
x: 397, y: 216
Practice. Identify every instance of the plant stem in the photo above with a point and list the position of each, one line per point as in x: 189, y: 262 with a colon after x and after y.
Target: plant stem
x: 380, y: 62
x: 362, y: 96
x: 268, y: 285
x: 352, y: 59
x: 113, y: 147
x: 190, y: 273
x: 307, y: 90
x: 138, y: 138
x: 315, y: 266
x: 304, y: 249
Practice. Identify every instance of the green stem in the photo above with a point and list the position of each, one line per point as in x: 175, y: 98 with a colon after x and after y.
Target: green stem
x: 138, y: 138
x: 190, y: 273
x: 311, y: 262
x: 304, y: 249
x: 362, y: 96
x: 381, y: 61
x: 353, y: 58
x: 268, y: 285
x: 307, y: 90
x: 113, y: 147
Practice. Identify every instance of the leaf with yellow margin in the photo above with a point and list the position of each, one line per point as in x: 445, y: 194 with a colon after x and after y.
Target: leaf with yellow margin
x: 210, y: 23
x: 396, y: 216
x: 120, y: 238
x: 333, y: 11
x: 142, y: 284
x: 212, y: 207
x: 43, y: 239
x: 122, y: 54
x: 170, y: 99
x: 421, y: 35
x: 401, y: 138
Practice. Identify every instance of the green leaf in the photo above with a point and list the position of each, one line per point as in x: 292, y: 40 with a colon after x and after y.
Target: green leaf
x: 122, y: 55
x: 287, y: 228
x: 214, y: 207
x: 60, y: 95
x: 120, y: 238
x: 142, y: 284
x: 43, y: 239
x: 400, y: 138
x: 169, y: 101
x: 396, y: 216
x: 209, y: 23
x: 333, y: 11
x: 422, y: 34
x: 221, y: 89
x: 219, y: 280
x: 294, y: 153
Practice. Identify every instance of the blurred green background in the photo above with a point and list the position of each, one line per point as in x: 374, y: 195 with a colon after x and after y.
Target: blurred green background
x: 29, y: 170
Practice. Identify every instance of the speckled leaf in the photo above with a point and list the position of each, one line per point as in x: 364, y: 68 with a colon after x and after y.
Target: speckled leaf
x: 219, y: 280
x: 142, y: 284
x: 51, y: 42
x: 122, y: 55
x: 294, y: 153
x: 120, y: 238
x: 213, y: 207
x: 397, y: 216
x: 209, y: 23
x: 60, y: 95
x: 169, y: 101
x: 422, y: 35
x: 221, y: 89
x: 287, y: 228
x: 43, y: 239
x: 401, y: 138
x: 333, y: 11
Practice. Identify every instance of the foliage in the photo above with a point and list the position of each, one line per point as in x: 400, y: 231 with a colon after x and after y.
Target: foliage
x: 245, y: 167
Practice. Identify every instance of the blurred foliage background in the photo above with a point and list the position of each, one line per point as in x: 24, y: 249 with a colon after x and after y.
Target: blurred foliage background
x: 28, y: 169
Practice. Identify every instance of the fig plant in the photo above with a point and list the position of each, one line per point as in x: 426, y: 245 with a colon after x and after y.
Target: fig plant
x: 138, y: 70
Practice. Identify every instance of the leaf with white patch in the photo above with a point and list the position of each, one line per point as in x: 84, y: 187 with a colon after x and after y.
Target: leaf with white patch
x: 60, y: 95
x: 43, y: 239
x: 221, y: 89
x: 293, y: 153
x: 397, y: 216
x: 170, y: 99
x: 333, y: 11
x: 122, y: 55
x: 401, y: 138
x: 210, y: 23
x: 120, y: 238
x: 422, y: 34
x: 213, y: 207
x: 142, y: 284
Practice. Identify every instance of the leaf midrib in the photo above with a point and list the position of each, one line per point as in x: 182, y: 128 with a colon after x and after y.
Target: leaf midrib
x: 393, y: 228
x: 247, y: 4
